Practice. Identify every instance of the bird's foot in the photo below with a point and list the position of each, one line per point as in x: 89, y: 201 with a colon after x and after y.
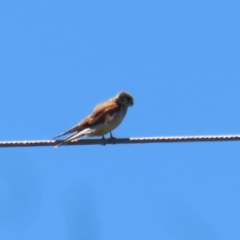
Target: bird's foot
x: 104, y: 141
x: 112, y: 139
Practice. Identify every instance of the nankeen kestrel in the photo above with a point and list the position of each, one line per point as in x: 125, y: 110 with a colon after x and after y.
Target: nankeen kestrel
x: 105, y: 117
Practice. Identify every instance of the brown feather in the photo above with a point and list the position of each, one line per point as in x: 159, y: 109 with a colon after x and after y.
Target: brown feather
x: 99, y: 112
x: 98, y: 115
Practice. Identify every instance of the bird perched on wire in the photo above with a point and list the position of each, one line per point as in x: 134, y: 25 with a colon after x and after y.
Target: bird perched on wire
x: 105, y: 117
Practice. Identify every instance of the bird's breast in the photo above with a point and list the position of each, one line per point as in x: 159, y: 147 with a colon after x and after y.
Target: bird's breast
x: 112, y: 120
x: 115, y: 118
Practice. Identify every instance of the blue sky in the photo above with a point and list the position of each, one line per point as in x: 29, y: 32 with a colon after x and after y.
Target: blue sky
x: 180, y: 60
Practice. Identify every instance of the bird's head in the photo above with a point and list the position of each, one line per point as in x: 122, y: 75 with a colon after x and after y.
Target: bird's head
x: 124, y: 99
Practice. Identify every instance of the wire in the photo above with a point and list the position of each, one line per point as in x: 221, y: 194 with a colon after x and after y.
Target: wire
x: 41, y: 143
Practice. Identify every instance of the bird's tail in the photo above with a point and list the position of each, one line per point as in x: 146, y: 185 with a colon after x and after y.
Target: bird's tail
x: 75, y: 136
x: 71, y: 130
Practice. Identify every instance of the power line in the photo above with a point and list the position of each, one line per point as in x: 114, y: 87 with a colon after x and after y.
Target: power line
x: 171, y: 139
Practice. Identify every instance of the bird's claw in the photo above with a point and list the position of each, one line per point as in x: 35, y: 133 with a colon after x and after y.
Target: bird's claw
x: 112, y: 140
x: 104, y: 141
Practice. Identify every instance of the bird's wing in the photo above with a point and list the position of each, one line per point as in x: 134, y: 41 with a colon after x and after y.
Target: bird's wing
x: 98, y: 115
x: 103, y: 104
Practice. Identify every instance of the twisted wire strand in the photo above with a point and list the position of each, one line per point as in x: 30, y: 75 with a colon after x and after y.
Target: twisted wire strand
x: 167, y: 139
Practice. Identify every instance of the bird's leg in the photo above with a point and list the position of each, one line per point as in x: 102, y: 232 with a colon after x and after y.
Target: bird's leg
x: 112, y: 139
x: 103, y: 138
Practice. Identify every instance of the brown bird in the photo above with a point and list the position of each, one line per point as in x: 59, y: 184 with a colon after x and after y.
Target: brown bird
x: 105, y: 117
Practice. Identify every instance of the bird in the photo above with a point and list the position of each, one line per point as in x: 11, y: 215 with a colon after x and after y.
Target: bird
x: 105, y: 117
